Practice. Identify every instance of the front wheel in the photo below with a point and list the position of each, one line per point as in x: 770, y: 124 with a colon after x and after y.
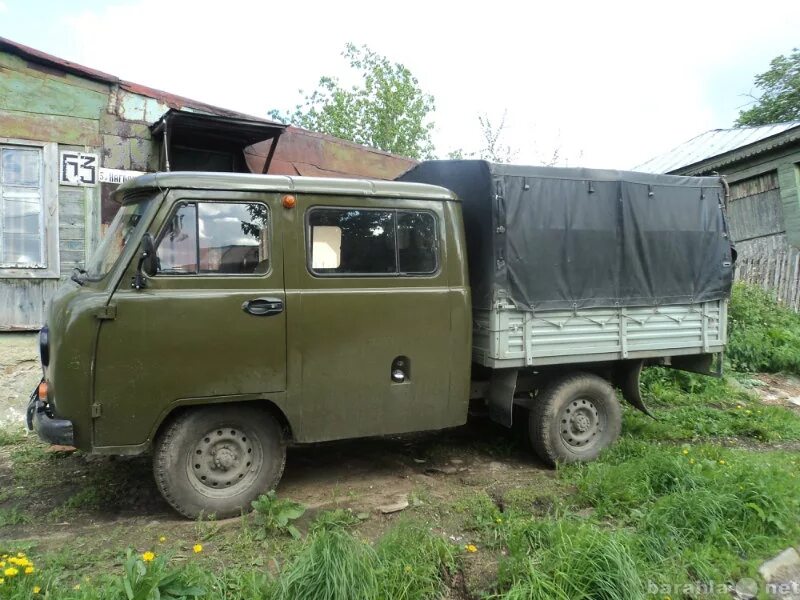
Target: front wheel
x: 218, y: 459
x: 574, y: 418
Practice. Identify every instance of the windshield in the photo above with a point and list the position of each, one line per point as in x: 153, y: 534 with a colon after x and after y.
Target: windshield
x: 115, y: 239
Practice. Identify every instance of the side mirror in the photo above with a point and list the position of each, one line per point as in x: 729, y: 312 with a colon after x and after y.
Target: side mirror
x: 148, y: 252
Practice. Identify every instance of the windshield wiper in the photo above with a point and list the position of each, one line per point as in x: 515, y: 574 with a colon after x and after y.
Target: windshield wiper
x: 78, y: 275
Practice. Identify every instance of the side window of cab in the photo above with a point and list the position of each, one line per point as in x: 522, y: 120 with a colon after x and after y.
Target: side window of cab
x: 215, y: 238
x: 371, y: 242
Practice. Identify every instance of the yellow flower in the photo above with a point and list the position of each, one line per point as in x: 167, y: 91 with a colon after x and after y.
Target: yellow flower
x: 20, y: 554
x: 408, y: 569
x: 29, y: 570
x: 148, y: 556
x: 2, y: 564
x: 722, y: 462
x: 77, y: 586
x: 499, y: 520
x: 11, y: 572
x: 691, y: 461
x: 748, y: 411
x: 471, y: 548
x: 162, y: 539
x: 738, y: 406
x: 36, y: 589
x: 2, y: 581
x: 685, y: 451
x: 197, y: 548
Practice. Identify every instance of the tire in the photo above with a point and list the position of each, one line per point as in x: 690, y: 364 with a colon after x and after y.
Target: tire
x: 574, y: 418
x: 218, y: 459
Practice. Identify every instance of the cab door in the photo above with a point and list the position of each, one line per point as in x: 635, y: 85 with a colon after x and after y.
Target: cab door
x: 210, y: 323
x: 370, y: 319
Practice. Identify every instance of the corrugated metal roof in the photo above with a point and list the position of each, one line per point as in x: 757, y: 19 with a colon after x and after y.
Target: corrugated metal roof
x: 712, y: 143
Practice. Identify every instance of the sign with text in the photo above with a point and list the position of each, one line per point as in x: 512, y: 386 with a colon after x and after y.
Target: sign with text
x: 78, y: 168
x: 117, y: 175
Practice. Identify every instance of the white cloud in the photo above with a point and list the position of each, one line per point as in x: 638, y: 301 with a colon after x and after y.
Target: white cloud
x: 610, y: 83
x: 3, y: 6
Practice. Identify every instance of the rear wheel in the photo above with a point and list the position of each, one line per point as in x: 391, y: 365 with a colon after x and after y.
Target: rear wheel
x: 218, y: 459
x: 574, y: 418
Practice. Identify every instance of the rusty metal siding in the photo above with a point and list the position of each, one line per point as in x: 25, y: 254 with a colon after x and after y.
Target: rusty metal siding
x: 307, y: 153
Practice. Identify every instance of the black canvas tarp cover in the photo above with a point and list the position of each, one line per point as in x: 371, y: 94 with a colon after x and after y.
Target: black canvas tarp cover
x: 563, y: 238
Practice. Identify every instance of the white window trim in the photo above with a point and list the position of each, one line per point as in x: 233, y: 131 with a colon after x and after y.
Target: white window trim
x: 50, y: 206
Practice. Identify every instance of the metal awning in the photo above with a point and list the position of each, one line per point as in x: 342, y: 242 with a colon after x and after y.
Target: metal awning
x: 214, y: 132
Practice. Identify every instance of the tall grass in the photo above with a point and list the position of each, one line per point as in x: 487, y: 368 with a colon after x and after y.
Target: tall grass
x: 334, y: 565
x: 569, y: 559
x: 690, y: 407
x: 659, y: 514
x: 763, y: 335
x: 407, y: 564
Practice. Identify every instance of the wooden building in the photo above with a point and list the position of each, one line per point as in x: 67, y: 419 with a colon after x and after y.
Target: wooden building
x: 69, y: 135
x: 762, y: 167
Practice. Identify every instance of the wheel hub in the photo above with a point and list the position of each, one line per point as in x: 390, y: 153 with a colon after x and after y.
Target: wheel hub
x: 222, y: 458
x: 225, y: 458
x: 580, y: 423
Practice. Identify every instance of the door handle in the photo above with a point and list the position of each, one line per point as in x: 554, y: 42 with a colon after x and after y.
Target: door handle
x: 263, y: 307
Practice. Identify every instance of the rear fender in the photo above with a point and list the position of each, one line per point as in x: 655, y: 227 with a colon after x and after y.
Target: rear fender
x: 626, y: 378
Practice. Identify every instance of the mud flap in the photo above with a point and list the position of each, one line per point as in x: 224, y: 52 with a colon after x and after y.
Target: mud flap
x: 501, y: 395
x: 626, y: 378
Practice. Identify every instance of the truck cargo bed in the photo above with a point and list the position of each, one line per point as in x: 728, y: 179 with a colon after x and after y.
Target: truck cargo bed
x: 507, y: 337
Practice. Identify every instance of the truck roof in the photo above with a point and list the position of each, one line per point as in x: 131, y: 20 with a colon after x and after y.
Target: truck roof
x: 197, y: 180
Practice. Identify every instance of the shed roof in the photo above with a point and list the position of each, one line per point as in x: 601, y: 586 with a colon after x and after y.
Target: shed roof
x: 713, y: 144
x: 300, y: 152
x: 172, y: 100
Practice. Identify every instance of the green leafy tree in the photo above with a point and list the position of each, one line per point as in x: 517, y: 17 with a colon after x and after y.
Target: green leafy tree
x: 386, y: 110
x: 779, y: 100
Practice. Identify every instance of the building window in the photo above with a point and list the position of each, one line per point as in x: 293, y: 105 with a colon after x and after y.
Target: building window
x: 21, y: 236
x: 28, y: 218
x: 213, y: 238
x: 371, y: 242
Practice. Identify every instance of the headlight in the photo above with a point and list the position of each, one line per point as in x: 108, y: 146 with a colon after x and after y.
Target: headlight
x: 44, y: 346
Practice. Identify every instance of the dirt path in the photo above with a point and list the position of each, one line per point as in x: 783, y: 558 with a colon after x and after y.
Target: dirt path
x: 63, y: 495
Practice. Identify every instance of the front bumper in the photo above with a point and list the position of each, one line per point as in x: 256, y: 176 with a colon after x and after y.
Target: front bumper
x: 39, y: 418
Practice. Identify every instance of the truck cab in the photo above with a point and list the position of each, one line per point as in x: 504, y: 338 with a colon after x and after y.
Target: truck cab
x: 225, y: 315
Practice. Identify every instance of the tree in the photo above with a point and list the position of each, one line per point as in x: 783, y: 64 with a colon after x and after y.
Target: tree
x: 386, y: 110
x: 492, y: 149
x: 780, y: 93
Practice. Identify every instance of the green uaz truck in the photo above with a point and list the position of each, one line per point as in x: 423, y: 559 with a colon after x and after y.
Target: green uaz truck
x: 226, y: 315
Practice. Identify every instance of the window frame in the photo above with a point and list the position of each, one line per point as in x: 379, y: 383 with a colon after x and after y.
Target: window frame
x: 309, y: 242
x: 183, y: 202
x: 50, y: 221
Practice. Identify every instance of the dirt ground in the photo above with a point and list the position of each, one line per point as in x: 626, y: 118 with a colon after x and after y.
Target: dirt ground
x: 64, y: 496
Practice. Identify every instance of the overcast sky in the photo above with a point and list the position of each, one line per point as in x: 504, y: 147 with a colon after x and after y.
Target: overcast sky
x: 607, y: 84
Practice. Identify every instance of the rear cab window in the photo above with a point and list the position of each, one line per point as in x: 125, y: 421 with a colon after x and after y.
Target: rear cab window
x: 371, y: 242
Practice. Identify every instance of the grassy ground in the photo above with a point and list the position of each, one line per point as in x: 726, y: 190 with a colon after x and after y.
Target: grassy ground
x: 683, y: 505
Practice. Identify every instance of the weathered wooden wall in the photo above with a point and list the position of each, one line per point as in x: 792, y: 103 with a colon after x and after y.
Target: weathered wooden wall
x: 43, y: 104
x: 764, y: 213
